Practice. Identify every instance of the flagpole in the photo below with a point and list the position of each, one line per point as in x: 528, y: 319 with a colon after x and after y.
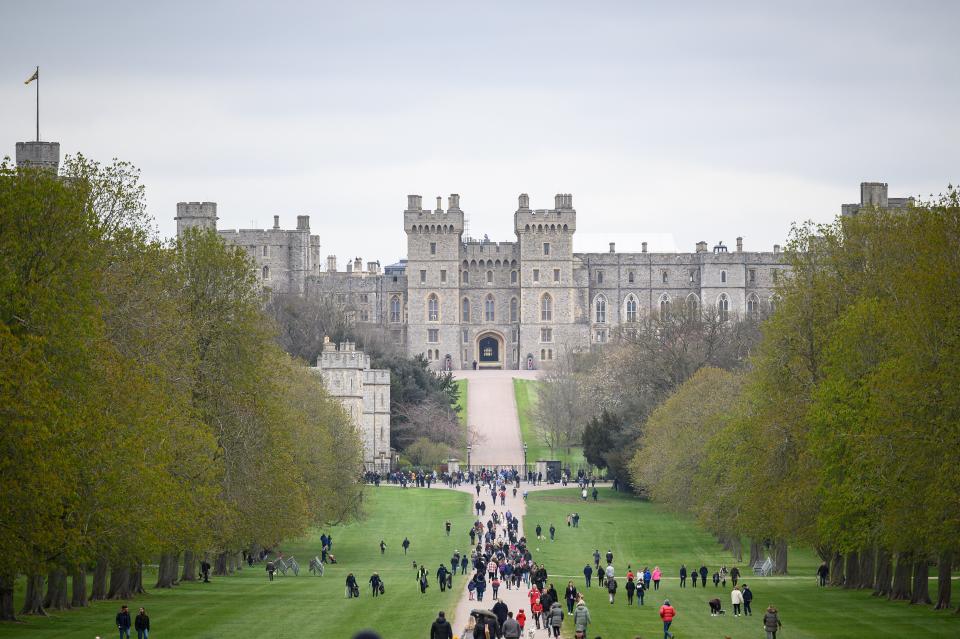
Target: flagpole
x: 38, y: 104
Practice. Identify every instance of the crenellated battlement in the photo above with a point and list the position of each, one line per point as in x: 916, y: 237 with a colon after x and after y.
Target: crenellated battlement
x: 419, y: 221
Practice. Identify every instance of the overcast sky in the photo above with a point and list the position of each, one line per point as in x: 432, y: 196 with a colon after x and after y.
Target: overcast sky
x: 676, y: 122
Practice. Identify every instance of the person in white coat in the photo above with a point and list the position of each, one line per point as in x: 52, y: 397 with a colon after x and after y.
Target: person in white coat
x: 736, y: 598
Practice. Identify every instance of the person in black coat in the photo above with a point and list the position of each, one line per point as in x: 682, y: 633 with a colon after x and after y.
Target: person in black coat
x: 375, y: 582
x: 442, y: 577
x: 747, y: 598
x: 441, y: 628
x: 352, y: 589
x: 683, y: 575
x: 587, y: 574
x: 123, y: 622
x: 500, y: 610
x: 703, y: 576
x: 142, y: 624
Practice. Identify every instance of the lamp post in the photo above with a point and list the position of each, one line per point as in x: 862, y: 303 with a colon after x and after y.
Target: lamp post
x: 526, y: 472
x: 469, y: 449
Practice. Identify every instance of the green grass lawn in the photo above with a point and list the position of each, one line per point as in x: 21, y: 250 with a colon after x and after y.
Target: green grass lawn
x: 644, y: 534
x: 246, y: 605
x: 525, y: 392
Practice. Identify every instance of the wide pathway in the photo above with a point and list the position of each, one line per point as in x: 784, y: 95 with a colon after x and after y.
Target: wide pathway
x: 492, y: 416
x: 516, y: 598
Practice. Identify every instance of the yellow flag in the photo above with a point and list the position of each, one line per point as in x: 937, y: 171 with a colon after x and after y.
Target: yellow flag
x: 35, y: 76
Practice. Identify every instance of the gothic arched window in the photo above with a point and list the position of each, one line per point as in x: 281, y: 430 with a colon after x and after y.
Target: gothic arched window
x: 600, y: 309
x: 631, y: 308
x: 664, y: 306
x: 513, y: 309
x: 546, y: 308
x: 753, y: 306
x: 723, y: 307
x: 433, y: 308
x: 465, y: 310
x: 489, y: 306
x: 395, y: 309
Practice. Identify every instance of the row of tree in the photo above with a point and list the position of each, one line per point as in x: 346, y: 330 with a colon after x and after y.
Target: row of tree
x: 148, y: 413
x: 843, y: 433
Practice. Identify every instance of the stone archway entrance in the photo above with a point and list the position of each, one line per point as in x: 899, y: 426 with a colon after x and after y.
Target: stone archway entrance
x: 490, y: 351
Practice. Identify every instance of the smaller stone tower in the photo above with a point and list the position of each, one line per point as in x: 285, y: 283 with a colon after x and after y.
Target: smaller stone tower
x: 44, y: 155
x: 196, y: 215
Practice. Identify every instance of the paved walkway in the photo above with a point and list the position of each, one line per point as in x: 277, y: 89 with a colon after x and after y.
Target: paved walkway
x: 516, y: 598
x: 492, y: 416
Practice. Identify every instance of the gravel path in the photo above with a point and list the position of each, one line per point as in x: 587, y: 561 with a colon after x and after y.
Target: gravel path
x: 492, y: 416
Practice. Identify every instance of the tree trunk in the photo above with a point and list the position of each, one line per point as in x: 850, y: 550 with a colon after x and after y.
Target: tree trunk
x: 189, y: 566
x: 780, y: 557
x: 901, y: 577
x: 737, y: 549
x: 56, y: 598
x: 851, y: 571
x: 99, y: 591
x: 167, y: 571
x: 136, y: 579
x: 79, y: 581
x: 238, y: 561
x: 836, y: 570
x: 868, y: 560
x: 33, y: 602
x: 754, y: 551
x: 120, y: 583
x: 881, y: 583
x: 220, y: 564
x: 6, y: 598
x: 944, y: 568
x: 921, y: 581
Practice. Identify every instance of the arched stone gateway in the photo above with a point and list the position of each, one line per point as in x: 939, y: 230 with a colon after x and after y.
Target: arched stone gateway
x: 490, y: 350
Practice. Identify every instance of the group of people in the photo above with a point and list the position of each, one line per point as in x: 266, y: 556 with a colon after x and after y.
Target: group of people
x: 719, y: 576
x: 141, y: 623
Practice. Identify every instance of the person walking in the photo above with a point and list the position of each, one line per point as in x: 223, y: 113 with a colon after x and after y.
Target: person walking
x: 495, y: 584
x: 142, y: 624
x: 747, y: 598
x: 441, y: 628
x: 612, y: 588
x: 736, y: 598
x: 447, y: 526
x: 553, y: 531
x: 734, y: 575
x: 667, y: 613
x: 423, y: 579
x: 271, y: 568
x: 352, y: 589
x: 536, y: 609
x: 771, y: 622
x: 570, y: 596
x: 631, y: 588
x: 383, y: 547
x: 442, y: 574
x: 587, y: 574
x: 539, y: 531
x: 595, y: 493
x: 502, y: 612
x: 822, y: 573
x: 123, y: 622
x: 555, y: 616
x: 375, y: 583
x: 406, y: 545
x: 581, y: 619
x: 596, y: 558
x: 641, y: 590
x: 609, y: 557
x: 521, y: 619
x: 703, y: 576
x: 683, y: 575
x: 511, y: 627
x: 656, y: 574
x: 464, y: 562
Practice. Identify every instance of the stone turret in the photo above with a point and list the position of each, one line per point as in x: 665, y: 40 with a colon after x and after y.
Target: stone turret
x: 196, y: 215
x: 44, y: 155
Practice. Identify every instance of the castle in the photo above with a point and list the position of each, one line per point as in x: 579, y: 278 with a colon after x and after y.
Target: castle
x: 463, y: 302
x: 466, y: 303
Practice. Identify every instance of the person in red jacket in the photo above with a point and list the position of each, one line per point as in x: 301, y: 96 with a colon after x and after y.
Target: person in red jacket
x: 667, y: 613
x: 521, y: 619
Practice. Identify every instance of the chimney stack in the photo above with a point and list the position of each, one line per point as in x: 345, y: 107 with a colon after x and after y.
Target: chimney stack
x: 701, y: 247
x: 613, y: 247
x: 276, y: 222
x: 776, y: 249
x: 643, y: 247
x: 357, y: 265
x: 414, y: 203
x: 303, y: 222
x: 524, y: 202
x: 439, y: 204
x: 739, y: 245
x: 453, y: 202
x: 331, y: 264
